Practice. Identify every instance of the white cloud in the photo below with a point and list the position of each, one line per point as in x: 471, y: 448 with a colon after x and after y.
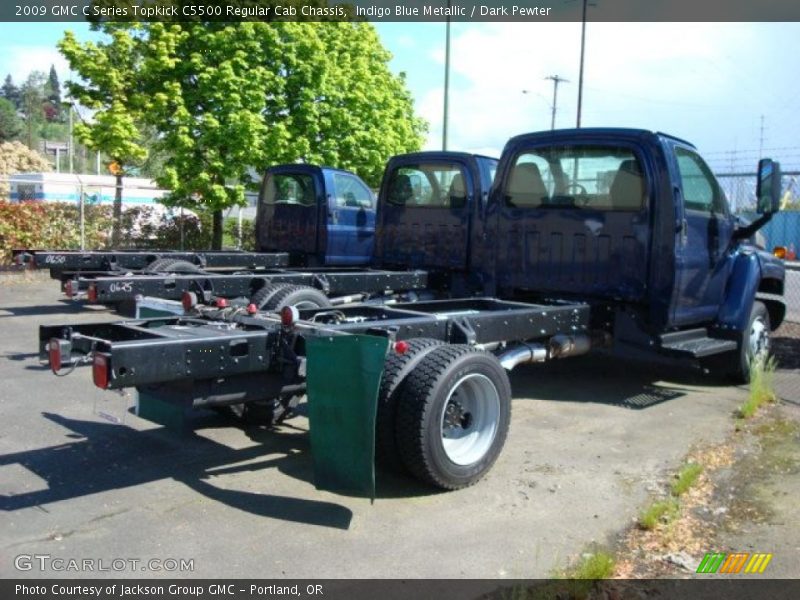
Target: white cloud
x: 708, y: 82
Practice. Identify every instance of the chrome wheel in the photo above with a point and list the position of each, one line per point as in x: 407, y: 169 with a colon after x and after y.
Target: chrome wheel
x: 758, y: 342
x: 470, y: 419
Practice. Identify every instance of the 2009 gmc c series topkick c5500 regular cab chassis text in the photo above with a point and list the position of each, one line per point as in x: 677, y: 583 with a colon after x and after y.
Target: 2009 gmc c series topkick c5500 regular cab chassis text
x: 611, y: 239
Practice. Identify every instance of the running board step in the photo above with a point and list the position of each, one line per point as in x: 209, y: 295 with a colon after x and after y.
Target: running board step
x: 695, y: 342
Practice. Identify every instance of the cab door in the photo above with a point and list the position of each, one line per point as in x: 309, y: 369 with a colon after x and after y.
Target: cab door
x: 350, y: 220
x: 288, y: 212
x: 425, y: 215
x: 702, y: 246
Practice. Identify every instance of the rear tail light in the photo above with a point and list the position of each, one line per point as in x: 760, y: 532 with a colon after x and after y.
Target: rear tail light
x: 70, y: 288
x: 289, y: 315
x: 54, y: 355
x: 100, y: 370
x: 189, y: 300
x: 91, y: 293
x: 779, y: 251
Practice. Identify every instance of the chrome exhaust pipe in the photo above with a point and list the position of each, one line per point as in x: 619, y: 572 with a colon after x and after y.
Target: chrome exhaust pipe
x: 562, y: 345
x: 524, y: 353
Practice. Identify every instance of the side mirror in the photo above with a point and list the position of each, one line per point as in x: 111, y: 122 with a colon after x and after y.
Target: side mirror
x: 768, y: 188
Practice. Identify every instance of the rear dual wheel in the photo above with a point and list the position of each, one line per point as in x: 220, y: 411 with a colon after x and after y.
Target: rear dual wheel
x: 172, y: 265
x: 453, y: 416
x: 275, y: 296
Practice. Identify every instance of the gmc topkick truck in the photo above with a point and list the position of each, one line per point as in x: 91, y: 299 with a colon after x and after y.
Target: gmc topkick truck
x: 308, y: 215
x: 307, y: 212
x: 589, y: 239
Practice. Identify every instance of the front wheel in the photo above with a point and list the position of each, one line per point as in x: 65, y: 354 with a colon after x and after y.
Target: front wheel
x: 453, y: 416
x: 753, y: 348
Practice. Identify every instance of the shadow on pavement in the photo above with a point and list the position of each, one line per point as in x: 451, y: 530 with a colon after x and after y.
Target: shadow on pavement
x: 64, y: 307
x: 603, y: 379
x: 112, y: 457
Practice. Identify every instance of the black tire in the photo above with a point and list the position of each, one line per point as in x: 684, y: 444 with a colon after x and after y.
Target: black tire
x: 475, y: 387
x: 263, y: 295
x: 396, y: 369
x: 301, y: 296
x: 753, y: 344
x: 172, y: 265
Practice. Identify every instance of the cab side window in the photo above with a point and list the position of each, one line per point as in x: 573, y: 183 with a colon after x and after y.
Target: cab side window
x: 351, y: 193
x: 701, y: 192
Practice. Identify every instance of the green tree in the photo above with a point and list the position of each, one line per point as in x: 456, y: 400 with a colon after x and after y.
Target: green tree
x: 362, y: 113
x: 11, y: 125
x: 256, y: 94
x: 224, y: 98
x: 10, y: 92
x: 111, y: 86
x: 53, y: 109
x: 32, y: 97
x: 208, y: 99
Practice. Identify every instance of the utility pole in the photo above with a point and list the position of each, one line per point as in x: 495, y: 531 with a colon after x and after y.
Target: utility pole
x: 580, y: 75
x: 446, y: 77
x: 556, y: 80
x: 761, y: 140
x: 70, y: 149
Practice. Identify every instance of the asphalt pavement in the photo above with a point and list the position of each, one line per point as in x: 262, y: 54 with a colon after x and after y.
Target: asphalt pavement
x: 590, y: 440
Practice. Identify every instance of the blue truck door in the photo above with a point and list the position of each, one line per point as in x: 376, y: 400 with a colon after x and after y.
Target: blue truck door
x: 425, y: 218
x: 703, y: 239
x: 574, y: 219
x: 350, y: 220
x: 288, y: 212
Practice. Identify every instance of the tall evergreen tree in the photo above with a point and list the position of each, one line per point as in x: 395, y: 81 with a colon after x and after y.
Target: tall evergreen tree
x: 53, y: 87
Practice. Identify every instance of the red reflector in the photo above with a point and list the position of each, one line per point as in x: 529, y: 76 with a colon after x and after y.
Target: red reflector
x: 189, y: 300
x: 252, y: 309
x: 68, y: 289
x: 100, y: 371
x: 54, y: 353
x: 91, y: 293
x: 401, y: 347
x: 222, y: 303
x: 289, y: 315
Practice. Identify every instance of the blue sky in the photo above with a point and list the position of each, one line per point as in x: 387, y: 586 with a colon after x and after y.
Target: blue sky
x: 707, y: 82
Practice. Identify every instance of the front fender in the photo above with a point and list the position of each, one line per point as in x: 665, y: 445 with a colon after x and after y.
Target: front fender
x: 734, y: 313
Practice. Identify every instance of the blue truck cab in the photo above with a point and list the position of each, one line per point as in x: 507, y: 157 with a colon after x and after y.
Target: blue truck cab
x: 321, y: 216
x: 631, y: 222
x: 429, y: 205
x: 635, y: 224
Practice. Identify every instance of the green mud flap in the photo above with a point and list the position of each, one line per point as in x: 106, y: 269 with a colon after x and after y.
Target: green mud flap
x: 342, y: 376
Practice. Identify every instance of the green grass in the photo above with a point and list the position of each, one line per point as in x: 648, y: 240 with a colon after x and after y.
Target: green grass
x: 685, y: 478
x: 662, y: 511
x: 762, y: 391
x: 597, y: 565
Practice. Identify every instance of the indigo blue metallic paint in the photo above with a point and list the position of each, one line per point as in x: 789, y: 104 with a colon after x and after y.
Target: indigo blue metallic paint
x: 326, y: 236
